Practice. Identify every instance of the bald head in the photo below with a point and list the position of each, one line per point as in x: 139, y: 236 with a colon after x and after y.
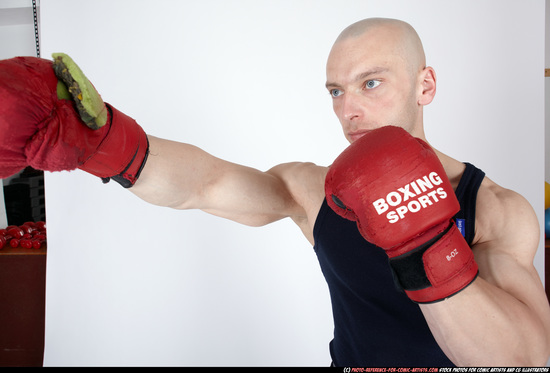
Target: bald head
x: 396, y: 35
x: 377, y: 75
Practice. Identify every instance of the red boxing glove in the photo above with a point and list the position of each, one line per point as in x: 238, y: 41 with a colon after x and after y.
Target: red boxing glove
x: 396, y: 190
x: 41, y: 130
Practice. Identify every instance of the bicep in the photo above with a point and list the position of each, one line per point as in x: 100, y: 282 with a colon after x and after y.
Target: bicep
x: 247, y: 196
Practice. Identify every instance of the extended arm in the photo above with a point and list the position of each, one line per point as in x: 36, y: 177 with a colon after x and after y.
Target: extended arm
x: 51, y: 102
x: 182, y: 176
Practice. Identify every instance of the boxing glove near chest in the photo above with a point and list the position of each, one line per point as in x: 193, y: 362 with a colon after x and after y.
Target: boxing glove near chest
x: 396, y: 190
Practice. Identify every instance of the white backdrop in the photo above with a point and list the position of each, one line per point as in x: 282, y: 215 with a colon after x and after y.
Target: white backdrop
x: 134, y: 285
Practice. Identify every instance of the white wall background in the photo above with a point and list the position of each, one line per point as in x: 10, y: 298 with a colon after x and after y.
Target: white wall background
x: 17, y: 29
x: 136, y: 285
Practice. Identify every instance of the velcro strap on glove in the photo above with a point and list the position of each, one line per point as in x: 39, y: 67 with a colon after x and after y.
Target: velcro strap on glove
x: 122, y: 154
x: 438, y: 269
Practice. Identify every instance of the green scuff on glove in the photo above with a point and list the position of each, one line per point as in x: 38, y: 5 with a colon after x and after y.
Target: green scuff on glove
x: 74, y: 85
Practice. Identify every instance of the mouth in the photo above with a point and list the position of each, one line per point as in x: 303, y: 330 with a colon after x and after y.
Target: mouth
x: 356, y: 135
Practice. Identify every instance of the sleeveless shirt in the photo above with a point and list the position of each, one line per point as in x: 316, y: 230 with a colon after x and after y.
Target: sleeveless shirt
x: 375, y: 323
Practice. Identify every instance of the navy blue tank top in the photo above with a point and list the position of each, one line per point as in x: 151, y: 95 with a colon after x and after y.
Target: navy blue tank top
x: 375, y: 323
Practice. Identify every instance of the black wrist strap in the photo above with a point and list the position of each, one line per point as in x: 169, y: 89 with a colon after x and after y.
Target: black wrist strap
x: 121, y: 179
x: 409, y: 269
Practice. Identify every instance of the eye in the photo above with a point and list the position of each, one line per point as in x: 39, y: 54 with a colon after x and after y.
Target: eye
x: 336, y: 92
x: 371, y: 84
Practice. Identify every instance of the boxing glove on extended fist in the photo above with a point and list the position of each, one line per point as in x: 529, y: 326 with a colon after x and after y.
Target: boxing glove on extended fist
x: 55, y: 120
x: 396, y: 190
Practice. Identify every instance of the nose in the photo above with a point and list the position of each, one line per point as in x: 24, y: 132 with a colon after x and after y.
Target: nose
x: 351, y: 110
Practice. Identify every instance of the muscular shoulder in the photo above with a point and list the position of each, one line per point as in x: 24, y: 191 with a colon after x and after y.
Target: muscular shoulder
x: 505, y: 243
x: 505, y: 221
x: 305, y: 182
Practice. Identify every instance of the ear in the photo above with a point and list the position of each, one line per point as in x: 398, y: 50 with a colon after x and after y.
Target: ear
x: 427, y: 80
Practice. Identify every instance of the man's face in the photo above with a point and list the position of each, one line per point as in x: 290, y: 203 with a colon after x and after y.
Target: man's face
x: 371, y: 85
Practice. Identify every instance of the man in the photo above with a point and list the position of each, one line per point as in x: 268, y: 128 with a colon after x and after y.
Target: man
x: 377, y: 76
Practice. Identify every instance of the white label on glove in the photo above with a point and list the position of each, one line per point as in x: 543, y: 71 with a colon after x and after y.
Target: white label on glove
x: 399, y: 198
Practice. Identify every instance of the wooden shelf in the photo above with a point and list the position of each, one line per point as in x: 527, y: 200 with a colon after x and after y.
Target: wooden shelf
x: 23, y: 295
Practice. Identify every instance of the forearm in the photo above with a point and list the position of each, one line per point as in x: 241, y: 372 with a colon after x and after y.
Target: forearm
x: 485, y: 326
x: 170, y: 177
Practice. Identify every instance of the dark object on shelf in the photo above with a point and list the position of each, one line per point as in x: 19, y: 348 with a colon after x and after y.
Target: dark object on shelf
x: 24, y: 197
